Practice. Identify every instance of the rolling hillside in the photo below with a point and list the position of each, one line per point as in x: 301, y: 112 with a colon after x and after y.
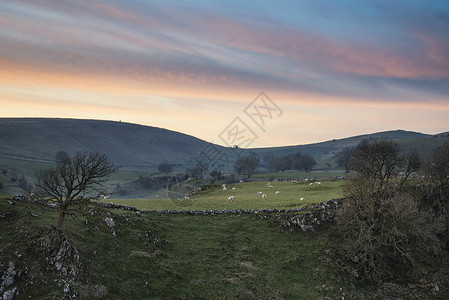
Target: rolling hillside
x: 327, y: 149
x: 137, y: 146
x: 325, y: 152
x: 127, y: 144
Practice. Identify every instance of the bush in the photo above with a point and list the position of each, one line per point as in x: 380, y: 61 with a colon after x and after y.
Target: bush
x: 383, y: 233
x: 384, y: 238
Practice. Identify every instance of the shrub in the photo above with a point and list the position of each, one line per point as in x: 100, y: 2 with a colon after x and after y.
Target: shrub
x: 382, y: 232
x: 383, y: 238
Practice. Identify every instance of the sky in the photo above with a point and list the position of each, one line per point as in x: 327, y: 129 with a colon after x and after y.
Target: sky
x: 251, y: 73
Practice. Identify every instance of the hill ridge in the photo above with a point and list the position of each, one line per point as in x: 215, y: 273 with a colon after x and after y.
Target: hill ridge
x: 136, y: 145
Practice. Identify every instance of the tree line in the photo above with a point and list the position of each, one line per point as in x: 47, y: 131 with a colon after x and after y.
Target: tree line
x: 296, y: 161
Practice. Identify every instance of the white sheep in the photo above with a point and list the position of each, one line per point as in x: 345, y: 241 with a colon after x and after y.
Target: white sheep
x: 259, y: 193
x: 310, y: 184
x: 302, y: 199
x: 233, y: 188
x: 318, y: 183
x: 224, y: 188
x: 241, y: 181
x: 264, y: 196
x: 277, y: 192
x: 230, y: 198
x: 270, y: 186
x: 187, y: 197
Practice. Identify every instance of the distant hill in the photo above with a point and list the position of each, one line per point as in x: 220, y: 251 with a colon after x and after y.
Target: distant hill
x: 126, y: 144
x: 324, y: 151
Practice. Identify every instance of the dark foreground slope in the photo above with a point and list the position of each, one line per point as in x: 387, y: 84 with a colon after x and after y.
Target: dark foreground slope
x: 119, y: 254
x: 127, y: 144
x: 160, y: 257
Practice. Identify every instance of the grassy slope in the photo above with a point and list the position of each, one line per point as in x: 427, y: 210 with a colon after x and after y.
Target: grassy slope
x: 127, y: 144
x: 246, y: 196
x: 218, y: 257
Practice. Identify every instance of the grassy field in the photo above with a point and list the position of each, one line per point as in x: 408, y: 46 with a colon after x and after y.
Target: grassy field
x: 313, y: 174
x: 170, y: 257
x: 153, y: 256
x: 245, y: 196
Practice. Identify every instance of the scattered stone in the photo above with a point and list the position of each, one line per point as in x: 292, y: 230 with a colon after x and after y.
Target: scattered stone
x: 8, y: 278
x: 33, y: 214
x: 10, y: 202
x: 8, y: 295
x: 110, y: 222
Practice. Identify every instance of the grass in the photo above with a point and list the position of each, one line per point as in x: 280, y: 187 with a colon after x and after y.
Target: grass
x: 181, y: 257
x: 313, y: 174
x: 245, y: 196
x: 203, y: 257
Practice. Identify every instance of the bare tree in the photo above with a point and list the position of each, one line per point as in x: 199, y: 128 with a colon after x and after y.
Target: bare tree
x: 74, y: 181
x: 246, y: 165
x: 306, y: 162
x: 343, y: 158
x: 438, y: 168
x: 379, y: 161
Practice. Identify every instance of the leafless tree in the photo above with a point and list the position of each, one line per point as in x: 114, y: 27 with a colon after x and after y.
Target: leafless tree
x: 74, y: 181
x: 246, y: 165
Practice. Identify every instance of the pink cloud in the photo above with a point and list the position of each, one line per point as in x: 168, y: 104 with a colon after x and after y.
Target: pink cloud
x: 332, y: 53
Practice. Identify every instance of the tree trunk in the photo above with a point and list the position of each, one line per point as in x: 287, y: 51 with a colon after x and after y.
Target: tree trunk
x: 62, y: 213
x: 61, y: 219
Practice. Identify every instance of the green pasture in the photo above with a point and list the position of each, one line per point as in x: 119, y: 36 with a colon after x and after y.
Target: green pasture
x: 246, y: 196
x: 314, y: 174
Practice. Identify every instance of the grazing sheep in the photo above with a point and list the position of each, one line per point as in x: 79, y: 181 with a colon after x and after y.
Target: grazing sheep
x: 230, y: 198
x: 241, y: 181
x: 270, y: 186
x: 187, y: 197
x: 259, y: 193
x: 306, y: 179
x: 311, y: 183
x: 264, y: 196
x: 318, y: 183
x: 233, y: 188
x: 293, y: 181
x: 277, y: 192
x: 224, y: 188
x: 302, y: 199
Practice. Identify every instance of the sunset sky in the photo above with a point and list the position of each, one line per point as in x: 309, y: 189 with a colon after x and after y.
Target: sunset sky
x: 328, y: 69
